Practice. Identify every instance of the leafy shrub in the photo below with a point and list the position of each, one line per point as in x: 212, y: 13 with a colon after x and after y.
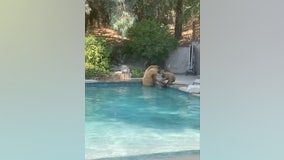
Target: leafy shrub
x: 89, y: 71
x: 149, y: 41
x: 97, y: 54
x: 136, y: 72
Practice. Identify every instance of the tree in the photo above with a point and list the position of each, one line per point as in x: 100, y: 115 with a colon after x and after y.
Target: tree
x: 154, y: 9
x: 191, y: 9
x: 122, y: 17
x: 149, y: 41
x: 179, y: 20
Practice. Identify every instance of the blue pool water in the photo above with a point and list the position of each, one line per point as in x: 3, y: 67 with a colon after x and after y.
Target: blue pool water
x: 127, y: 119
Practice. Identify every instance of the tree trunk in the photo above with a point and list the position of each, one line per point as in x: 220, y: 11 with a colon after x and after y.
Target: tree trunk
x: 179, y: 17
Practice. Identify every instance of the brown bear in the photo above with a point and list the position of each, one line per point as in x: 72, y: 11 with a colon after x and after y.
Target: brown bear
x: 150, y: 75
x: 169, y: 77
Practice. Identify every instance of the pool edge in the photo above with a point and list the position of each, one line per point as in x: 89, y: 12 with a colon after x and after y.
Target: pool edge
x: 177, y: 86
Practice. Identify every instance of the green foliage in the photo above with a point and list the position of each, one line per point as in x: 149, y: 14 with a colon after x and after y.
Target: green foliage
x: 122, y: 22
x: 89, y: 71
x: 149, y: 41
x: 191, y: 9
x: 154, y: 9
x: 136, y: 72
x: 122, y: 17
x: 97, y: 54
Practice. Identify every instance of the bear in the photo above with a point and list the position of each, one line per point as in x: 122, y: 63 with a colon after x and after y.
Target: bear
x: 150, y: 75
x: 169, y: 77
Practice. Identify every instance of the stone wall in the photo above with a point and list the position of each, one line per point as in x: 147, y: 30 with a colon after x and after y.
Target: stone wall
x: 197, y: 58
x: 178, y: 61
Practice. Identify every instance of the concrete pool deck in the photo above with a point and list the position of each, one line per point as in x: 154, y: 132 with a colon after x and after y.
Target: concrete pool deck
x: 186, y: 79
x: 182, y: 82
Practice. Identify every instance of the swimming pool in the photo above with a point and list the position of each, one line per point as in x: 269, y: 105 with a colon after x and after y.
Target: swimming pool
x: 129, y: 120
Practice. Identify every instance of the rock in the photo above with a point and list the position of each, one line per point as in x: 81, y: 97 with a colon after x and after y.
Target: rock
x: 194, y: 87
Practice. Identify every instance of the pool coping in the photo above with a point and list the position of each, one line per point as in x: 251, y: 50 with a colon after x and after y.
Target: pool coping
x: 178, y: 86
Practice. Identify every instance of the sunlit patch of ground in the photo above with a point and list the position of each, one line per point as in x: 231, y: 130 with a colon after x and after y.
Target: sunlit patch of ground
x: 186, y: 35
x: 114, y: 38
x: 109, y: 34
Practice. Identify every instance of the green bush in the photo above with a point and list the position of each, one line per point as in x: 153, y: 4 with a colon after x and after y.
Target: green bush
x: 97, y: 55
x: 149, y: 41
x: 136, y: 72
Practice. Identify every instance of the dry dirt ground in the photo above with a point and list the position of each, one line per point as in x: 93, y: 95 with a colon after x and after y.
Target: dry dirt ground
x: 114, y: 38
